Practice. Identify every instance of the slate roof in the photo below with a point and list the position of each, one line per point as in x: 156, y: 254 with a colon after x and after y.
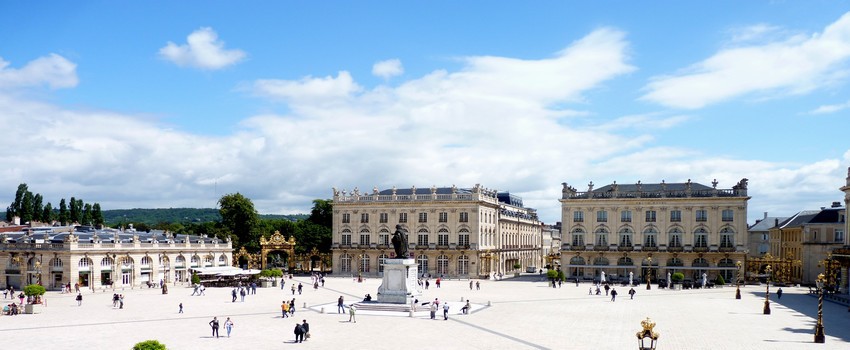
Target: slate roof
x: 653, y: 187
x: 424, y: 190
x: 86, y: 235
x: 827, y: 216
x: 767, y: 223
x: 799, y: 219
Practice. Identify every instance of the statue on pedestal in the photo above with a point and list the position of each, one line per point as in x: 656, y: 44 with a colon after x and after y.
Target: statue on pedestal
x: 399, y: 241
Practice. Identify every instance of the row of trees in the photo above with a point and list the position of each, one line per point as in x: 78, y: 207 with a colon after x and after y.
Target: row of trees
x: 29, y: 207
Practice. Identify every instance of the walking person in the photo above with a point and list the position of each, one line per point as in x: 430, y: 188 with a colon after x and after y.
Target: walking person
x: 299, y: 333
x: 79, y: 299
x: 292, y: 307
x: 433, y: 310
x: 242, y: 294
x: 293, y: 289
x: 228, y: 326
x: 121, y: 301
x: 632, y: 293
x: 299, y: 288
x: 284, y: 309
x: 445, y: 311
x: 477, y: 285
x: 613, y: 294
x: 779, y: 293
x: 214, y: 325
x: 351, y: 312
x: 306, y: 327
x: 340, y: 307
x: 470, y: 284
x: 181, y: 308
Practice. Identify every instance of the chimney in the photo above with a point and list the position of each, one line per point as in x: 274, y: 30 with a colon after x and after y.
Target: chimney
x: 765, y: 215
x: 836, y: 204
x: 776, y: 223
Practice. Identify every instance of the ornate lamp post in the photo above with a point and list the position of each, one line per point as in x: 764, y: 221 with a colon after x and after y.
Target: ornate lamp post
x: 648, y: 272
x: 647, y: 337
x: 738, y: 280
x: 767, y: 271
x: 819, y: 336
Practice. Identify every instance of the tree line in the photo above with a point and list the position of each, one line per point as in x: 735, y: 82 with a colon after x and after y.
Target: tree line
x: 30, y: 207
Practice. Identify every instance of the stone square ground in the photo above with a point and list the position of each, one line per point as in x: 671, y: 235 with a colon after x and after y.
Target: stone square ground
x: 523, y: 313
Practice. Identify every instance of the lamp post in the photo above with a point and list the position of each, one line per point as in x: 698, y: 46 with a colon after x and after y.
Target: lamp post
x: 647, y: 336
x: 819, y: 336
x: 738, y: 280
x: 648, y: 272
x: 767, y: 271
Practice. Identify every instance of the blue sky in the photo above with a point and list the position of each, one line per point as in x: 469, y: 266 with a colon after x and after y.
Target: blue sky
x: 173, y: 104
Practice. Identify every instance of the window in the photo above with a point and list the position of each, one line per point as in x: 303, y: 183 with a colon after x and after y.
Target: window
x: 464, y: 217
x: 626, y: 216
x: 402, y: 218
x: 675, y: 238
x: 208, y: 261
x: 727, y: 238
x: 650, y: 237
x: 146, y: 261
x: 443, y: 237
x: 578, y: 216
x: 423, y: 217
x: 422, y: 262
x: 384, y: 237
x: 625, y: 238
x: 601, y: 237
x: 839, y: 235
x: 346, y: 237
x: 106, y: 262
x: 423, y: 238
x: 222, y: 260
x: 702, y: 215
x: 442, y: 265
x: 727, y: 215
x: 345, y: 263
x: 601, y: 216
x: 383, y: 218
x: 700, y: 238
x: 578, y: 237
x: 364, y: 237
x: 675, y: 216
x: 650, y: 216
x: 381, y: 259
x: 463, y: 237
x: 444, y: 217
x: 346, y: 218
x: 463, y: 265
x: 364, y: 218
x: 364, y: 263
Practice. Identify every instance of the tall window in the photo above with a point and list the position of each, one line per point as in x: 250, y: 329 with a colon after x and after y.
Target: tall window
x: 463, y: 265
x: 364, y: 263
x: 442, y: 265
x: 443, y: 237
x: 383, y: 218
x: 422, y: 262
x: 626, y: 216
x: 578, y: 237
x: 700, y: 238
x: 444, y: 217
x: 423, y: 217
x: 601, y: 216
x: 345, y: 263
x: 625, y: 237
x: 602, y: 237
x: 464, y: 217
x: 364, y: 237
x: 675, y: 216
x: 346, y: 237
x: 839, y: 235
x: 384, y: 237
x: 650, y: 216
x: 423, y: 238
x: 402, y: 218
x: 727, y: 238
x: 675, y: 238
x: 463, y: 237
x: 702, y: 215
x: 727, y: 215
x: 650, y: 237
x: 364, y: 218
x: 381, y: 259
x: 578, y: 216
x: 346, y: 218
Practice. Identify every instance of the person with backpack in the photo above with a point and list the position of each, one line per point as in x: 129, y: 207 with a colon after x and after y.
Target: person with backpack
x: 299, y: 333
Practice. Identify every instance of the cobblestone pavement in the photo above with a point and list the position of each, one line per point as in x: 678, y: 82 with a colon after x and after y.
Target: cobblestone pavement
x: 522, y: 314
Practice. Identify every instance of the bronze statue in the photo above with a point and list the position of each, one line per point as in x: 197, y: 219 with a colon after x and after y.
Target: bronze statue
x: 400, y: 243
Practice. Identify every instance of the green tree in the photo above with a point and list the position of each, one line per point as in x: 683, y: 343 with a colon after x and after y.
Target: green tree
x: 97, y: 215
x: 26, y: 208
x: 149, y: 345
x: 47, y: 213
x: 87, y: 218
x: 63, y: 212
x: 322, y: 213
x: 309, y: 235
x: 79, y: 218
x: 37, y: 207
x: 239, y: 216
x: 74, y: 214
x: 17, y: 205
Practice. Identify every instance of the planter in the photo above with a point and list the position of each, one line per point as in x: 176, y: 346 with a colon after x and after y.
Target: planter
x: 33, y: 308
x: 677, y: 286
x: 266, y: 284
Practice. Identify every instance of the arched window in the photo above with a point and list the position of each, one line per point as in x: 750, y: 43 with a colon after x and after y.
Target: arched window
x: 463, y: 238
x: 195, y: 262
x: 578, y: 237
x: 650, y: 237
x: 675, y: 238
x: 577, y: 260
x: 180, y: 261
x: 384, y: 237
x: 602, y: 237
x: 222, y: 260
x: 601, y: 260
x: 164, y: 261
x: 423, y: 238
x: 729, y: 272
x: 443, y: 237
x: 422, y: 262
x: 56, y: 262
x: 146, y: 261
x: 727, y: 238
x: 463, y: 265
x: 106, y: 263
x: 208, y: 261
x: 84, y: 263
x: 625, y: 237
x: 345, y: 263
x: 625, y: 261
x: 346, y: 237
x: 381, y: 259
x: 675, y: 262
x: 700, y: 262
x: 442, y: 265
x: 365, y: 237
x: 700, y: 238
x: 364, y: 263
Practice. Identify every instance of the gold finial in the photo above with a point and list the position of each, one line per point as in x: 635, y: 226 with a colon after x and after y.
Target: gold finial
x: 648, y: 329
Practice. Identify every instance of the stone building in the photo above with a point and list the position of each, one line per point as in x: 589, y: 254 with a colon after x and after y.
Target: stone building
x: 453, y: 232
x: 101, y: 259
x: 654, y: 229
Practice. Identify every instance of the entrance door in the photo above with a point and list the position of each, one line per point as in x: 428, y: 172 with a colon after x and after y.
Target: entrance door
x: 126, y: 278
x: 57, y: 280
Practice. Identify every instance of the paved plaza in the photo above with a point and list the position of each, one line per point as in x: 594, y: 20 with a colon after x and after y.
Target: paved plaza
x: 522, y: 313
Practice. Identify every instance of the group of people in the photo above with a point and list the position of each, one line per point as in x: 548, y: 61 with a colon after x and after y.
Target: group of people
x: 198, y: 289
x: 228, y: 326
x: 435, y: 306
x: 11, y: 309
x: 610, y: 291
x: 287, y: 309
x: 117, y: 301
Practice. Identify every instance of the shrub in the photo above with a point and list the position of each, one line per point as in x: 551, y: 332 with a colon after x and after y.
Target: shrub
x: 720, y: 281
x: 561, y: 275
x: 195, y: 278
x: 517, y: 265
x: 677, y: 277
x: 551, y: 274
x: 149, y: 345
x: 34, y: 290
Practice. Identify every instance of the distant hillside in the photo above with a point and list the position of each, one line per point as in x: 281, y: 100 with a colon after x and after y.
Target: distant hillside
x: 176, y: 215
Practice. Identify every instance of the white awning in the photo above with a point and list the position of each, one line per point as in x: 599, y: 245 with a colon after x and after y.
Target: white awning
x: 223, y: 271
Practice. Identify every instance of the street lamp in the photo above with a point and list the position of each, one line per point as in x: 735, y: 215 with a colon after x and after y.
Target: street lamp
x: 647, y: 337
x: 819, y: 336
x: 738, y: 281
x: 648, y: 272
x: 767, y: 271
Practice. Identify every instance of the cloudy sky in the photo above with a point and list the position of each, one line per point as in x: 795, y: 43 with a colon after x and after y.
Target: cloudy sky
x: 174, y: 104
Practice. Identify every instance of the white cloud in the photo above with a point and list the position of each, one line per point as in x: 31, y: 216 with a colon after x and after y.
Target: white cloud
x: 826, y: 109
x: 388, y: 68
x: 795, y: 65
x: 53, y: 70
x: 202, y: 50
x: 755, y: 32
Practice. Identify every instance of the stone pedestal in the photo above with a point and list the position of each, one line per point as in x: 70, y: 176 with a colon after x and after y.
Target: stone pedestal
x: 400, y: 282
